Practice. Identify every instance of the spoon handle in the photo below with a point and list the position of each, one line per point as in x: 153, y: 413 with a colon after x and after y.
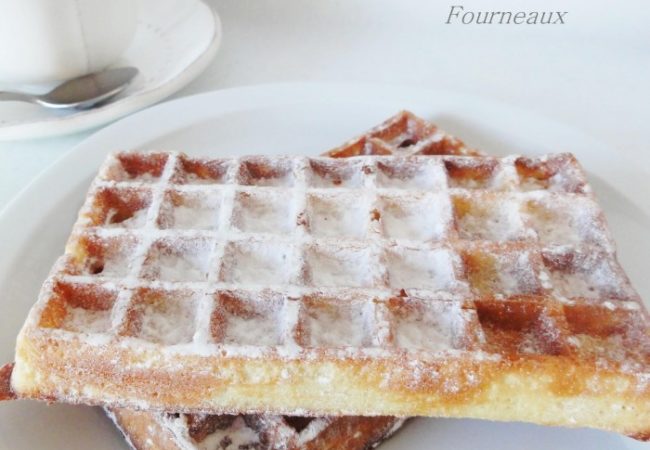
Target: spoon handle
x: 15, y: 96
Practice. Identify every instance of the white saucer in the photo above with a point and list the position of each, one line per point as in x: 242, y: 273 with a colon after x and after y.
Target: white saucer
x: 297, y: 119
x: 174, y: 42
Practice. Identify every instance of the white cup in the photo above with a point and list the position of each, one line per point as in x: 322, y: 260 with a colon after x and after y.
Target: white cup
x: 42, y: 41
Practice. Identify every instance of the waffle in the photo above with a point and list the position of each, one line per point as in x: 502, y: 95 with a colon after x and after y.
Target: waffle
x: 402, y: 135
x: 377, y: 285
x: 146, y: 430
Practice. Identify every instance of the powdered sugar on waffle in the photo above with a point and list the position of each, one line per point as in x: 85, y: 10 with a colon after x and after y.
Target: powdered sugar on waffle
x: 431, y: 330
x: 416, y: 217
x: 83, y: 320
x: 189, y: 216
x: 138, y: 219
x: 260, y: 332
x: 366, y: 227
x: 174, y: 268
x: 416, y: 269
x: 337, y: 326
x: 168, y: 322
x: 237, y: 436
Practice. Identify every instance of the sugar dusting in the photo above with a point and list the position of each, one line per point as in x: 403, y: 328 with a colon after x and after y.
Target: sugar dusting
x: 325, y: 173
x: 192, y: 178
x: 425, y: 269
x: 430, y: 329
x: 269, y: 213
x: 559, y: 231
x: 562, y: 221
x: 532, y: 184
x: 237, y: 436
x: 255, y: 263
x: 260, y: 330
x: 340, y: 267
x: 494, y: 221
x: 516, y: 275
x: 195, y: 217
x: 137, y: 219
x: 313, y: 430
x: 530, y: 344
x: 114, y: 170
x: 336, y: 326
x: 572, y: 285
x: 113, y: 265
x: 589, y: 276
x: 169, y: 322
x: 412, y: 175
x: 424, y: 218
x: 179, y: 268
x: 87, y: 321
x: 343, y: 216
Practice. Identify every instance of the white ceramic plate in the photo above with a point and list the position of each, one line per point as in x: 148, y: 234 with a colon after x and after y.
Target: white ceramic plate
x: 294, y: 119
x: 174, y: 42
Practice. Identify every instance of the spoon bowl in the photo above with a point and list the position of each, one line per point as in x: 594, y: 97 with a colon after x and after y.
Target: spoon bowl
x: 82, y: 92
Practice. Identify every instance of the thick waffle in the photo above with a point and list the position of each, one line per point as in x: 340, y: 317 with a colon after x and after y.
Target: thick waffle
x: 450, y: 286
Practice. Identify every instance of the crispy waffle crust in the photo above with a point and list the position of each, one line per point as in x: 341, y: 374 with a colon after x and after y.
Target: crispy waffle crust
x: 377, y: 285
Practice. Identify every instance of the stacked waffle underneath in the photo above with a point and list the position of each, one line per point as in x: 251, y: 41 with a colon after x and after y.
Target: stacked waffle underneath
x: 146, y: 430
x: 402, y: 135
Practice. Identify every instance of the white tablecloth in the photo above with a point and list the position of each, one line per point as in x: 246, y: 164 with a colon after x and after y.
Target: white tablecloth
x: 593, y: 73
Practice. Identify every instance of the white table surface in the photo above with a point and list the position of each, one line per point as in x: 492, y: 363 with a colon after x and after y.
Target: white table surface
x: 593, y: 73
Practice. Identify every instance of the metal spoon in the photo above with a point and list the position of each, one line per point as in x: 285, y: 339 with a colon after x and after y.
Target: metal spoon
x: 82, y: 92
